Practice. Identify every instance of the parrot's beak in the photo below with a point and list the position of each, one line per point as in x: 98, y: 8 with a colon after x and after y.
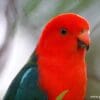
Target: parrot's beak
x: 84, y: 40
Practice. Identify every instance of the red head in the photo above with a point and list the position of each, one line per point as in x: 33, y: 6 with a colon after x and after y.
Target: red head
x: 65, y: 34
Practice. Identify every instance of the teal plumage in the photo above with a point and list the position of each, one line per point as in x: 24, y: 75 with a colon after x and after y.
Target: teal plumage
x: 25, y: 85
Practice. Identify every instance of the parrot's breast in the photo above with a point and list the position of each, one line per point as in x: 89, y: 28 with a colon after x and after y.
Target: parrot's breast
x: 62, y: 81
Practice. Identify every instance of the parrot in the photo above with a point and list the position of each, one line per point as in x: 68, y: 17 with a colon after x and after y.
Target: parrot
x: 56, y: 69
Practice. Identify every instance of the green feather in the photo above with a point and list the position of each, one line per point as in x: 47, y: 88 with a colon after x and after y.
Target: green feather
x: 61, y: 95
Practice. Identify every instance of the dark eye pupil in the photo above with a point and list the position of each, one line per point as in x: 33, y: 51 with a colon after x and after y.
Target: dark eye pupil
x: 63, y: 31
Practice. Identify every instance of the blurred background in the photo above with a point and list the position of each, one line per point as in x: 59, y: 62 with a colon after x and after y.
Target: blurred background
x: 21, y: 22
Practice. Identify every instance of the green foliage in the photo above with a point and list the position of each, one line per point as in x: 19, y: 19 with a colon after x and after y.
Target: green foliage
x: 30, y: 6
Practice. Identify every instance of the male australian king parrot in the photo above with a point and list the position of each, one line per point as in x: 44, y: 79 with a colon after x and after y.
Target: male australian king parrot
x: 57, y: 68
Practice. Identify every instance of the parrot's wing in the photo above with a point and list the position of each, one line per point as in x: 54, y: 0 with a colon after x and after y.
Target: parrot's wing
x: 25, y: 85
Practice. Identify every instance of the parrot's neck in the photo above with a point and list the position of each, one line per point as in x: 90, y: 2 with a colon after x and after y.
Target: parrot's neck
x: 71, y: 61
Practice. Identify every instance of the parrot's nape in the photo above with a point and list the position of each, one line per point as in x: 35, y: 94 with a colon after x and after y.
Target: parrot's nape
x: 57, y: 68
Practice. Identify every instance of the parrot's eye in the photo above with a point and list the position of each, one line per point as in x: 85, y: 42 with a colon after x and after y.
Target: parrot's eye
x: 63, y: 31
